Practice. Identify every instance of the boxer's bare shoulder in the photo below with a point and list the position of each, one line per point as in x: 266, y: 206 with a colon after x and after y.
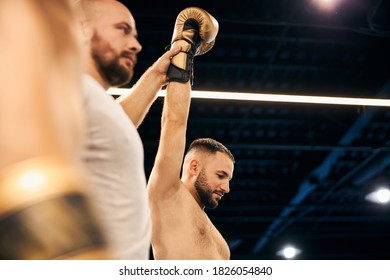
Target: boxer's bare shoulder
x: 184, y: 231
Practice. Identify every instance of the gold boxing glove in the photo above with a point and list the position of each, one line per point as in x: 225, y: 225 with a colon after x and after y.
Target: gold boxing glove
x: 195, y: 31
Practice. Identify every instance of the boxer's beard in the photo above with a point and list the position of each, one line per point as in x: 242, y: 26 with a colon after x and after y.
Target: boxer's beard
x: 204, y: 191
x: 110, y: 69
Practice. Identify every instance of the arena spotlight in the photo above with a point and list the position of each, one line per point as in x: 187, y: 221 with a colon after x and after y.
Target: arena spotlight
x: 289, y: 252
x: 325, y: 5
x: 381, y: 196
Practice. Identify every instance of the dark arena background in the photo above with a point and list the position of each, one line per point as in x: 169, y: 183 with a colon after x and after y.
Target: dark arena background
x: 304, y: 173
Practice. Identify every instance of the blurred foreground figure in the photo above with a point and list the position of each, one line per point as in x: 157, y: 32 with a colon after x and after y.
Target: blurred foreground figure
x: 44, y: 212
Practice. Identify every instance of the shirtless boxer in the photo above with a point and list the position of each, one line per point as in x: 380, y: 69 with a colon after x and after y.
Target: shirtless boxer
x: 180, y: 227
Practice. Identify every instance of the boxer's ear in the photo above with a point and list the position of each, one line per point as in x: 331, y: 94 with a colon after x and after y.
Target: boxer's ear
x: 194, y: 167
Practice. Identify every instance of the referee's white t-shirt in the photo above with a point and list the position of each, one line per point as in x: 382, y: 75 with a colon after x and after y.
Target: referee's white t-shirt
x: 114, y: 157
